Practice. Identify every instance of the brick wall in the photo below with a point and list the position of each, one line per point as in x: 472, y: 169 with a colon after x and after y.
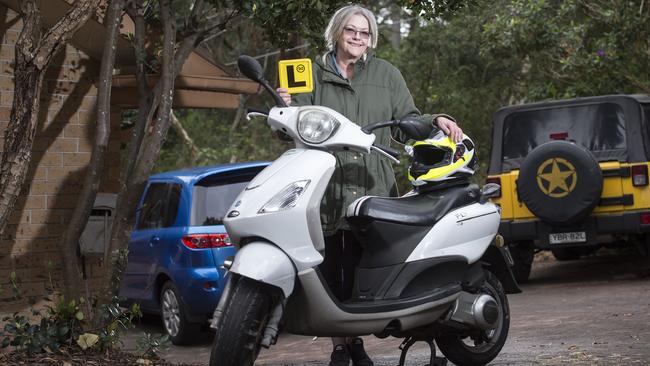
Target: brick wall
x: 30, y: 245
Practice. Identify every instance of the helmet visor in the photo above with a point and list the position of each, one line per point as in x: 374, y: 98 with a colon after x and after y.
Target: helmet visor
x: 427, y: 157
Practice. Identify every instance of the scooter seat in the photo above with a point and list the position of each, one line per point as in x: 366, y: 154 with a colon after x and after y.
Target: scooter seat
x: 422, y: 209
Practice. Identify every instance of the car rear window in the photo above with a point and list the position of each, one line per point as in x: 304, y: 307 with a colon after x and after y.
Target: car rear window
x: 598, y: 127
x: 212, y: 196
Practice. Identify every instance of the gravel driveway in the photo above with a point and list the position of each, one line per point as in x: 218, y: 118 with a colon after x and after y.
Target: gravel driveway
x: 593, y: 311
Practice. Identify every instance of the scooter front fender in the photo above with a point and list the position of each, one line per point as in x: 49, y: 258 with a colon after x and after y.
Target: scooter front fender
x: 264, y: 262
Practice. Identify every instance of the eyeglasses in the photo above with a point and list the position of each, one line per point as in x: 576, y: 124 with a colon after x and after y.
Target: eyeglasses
x: 351, y: 32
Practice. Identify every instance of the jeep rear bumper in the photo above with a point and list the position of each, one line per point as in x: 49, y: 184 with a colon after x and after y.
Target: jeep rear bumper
x: 593, y: 226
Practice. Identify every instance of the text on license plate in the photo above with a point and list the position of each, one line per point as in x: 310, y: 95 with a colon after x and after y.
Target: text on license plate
x: 574, y: 237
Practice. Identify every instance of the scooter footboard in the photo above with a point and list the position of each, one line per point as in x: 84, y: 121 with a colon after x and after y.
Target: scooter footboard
x: 264, y: 262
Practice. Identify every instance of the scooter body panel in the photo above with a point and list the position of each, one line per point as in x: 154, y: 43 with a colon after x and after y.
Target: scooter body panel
x: 296, y: 231
x: 266, y: 263
x: 311, y: 311
x: 466, y: 232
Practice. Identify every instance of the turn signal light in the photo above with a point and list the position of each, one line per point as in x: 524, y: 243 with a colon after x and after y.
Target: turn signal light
x: 495, y: 180
x: 639, y: 175
x: 202, y: 241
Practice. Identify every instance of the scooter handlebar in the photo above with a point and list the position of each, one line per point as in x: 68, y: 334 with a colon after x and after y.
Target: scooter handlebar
x: 388, y: 150
x: 373, y: 126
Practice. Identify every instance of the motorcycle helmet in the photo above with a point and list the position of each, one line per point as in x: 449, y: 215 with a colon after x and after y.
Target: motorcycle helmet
x: 439, y: 158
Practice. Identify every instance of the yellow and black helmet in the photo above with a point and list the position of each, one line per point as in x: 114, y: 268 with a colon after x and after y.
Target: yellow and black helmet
x: 439, y: 159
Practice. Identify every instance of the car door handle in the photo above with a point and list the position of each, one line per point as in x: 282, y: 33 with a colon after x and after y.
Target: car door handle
x: 154, y: 240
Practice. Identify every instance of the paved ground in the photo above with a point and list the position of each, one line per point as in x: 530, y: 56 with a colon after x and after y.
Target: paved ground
x: 595, y: 311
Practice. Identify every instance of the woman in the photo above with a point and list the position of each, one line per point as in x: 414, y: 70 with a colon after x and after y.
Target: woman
x: 365, y: 89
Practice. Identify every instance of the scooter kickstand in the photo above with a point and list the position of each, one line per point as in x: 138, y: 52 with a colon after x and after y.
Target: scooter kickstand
x: 433, y: 360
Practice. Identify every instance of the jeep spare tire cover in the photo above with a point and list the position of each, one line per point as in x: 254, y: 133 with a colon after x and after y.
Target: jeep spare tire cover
x: 560, y: 182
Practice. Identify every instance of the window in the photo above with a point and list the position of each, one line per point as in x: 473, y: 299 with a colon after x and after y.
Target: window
x: 213, y: 196
x: 173, y: 203
x: 598, y: 127
x: 160, y: 206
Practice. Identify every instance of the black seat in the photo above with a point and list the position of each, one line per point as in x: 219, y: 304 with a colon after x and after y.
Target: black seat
x: 423, y: 209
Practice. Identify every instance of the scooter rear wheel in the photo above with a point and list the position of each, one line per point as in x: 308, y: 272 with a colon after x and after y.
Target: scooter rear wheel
x: 237, y: 340
x: 479, y: 347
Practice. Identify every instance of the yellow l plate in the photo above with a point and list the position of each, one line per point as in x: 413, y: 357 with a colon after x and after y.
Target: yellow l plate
x: 295, y: 75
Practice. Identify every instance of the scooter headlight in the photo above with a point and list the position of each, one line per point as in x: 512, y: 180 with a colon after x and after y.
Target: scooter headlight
x: 316, y: 126
x: 286, y: 198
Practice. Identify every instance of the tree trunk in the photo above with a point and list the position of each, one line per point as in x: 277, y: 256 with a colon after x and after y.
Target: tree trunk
x: 138, y: 169
x: 86, y: 198
x: 33, y: 55
x: 153, y: 132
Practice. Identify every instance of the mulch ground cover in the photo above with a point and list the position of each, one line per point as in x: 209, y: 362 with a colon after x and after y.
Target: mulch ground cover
x: 115, y: 357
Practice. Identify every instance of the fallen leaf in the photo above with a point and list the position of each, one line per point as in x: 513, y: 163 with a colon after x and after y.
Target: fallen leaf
x: 87, y: 340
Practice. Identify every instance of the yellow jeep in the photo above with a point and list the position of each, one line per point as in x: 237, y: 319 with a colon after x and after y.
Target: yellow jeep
x: 573, y: 176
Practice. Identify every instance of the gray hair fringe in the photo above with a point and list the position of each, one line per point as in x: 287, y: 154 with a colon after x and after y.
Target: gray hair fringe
x: 335, y: 27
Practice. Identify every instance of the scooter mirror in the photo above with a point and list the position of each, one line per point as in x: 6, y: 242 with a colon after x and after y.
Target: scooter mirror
x: 253, y: 70
x: 415, y: 129
x: 250, y: 68
x: 489, y: 190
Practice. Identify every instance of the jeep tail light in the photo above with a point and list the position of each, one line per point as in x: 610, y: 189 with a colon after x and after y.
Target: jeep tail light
x: 202, y: 241
x: 559, y: 136
x: 495, y: 180
x: 639, y: 175
x: 645, y: 218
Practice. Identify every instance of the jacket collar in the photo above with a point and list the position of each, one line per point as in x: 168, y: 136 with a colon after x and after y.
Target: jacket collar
x: 332, y: 75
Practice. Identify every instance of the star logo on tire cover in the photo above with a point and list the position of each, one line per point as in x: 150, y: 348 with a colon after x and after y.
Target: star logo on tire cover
x: 556, y: 177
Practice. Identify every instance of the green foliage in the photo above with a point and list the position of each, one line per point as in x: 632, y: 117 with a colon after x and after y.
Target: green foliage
x: 113, y: 321
x: 217, y: 141
x: 60, y: 323
x: 574, y: 48
x: 149, y: 345
x: 66, y: 324
x: 282, y: 20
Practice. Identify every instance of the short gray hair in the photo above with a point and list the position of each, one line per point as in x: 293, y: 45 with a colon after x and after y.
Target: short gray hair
x: 338, y: 21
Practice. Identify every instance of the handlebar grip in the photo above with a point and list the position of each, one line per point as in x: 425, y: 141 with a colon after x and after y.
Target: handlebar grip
x: 388, y: 150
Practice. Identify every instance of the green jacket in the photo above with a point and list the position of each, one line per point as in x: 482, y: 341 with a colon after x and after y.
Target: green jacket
x: 377, y: 92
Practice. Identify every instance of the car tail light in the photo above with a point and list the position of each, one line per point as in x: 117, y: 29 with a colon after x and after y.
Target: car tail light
x: 201, y: 241
x: 495, y: 180
x: 639, y: 175
x: 645, y: 218
x: 559, y: 136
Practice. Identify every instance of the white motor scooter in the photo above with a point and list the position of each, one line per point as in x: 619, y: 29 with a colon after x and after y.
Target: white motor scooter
x: 431, y: 268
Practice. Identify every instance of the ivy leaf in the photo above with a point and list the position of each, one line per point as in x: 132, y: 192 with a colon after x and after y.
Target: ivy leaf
x: 79, y: 315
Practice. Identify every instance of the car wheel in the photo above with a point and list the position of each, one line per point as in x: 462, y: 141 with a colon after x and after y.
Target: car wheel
x: 560, y: 174
x: 174, y: 316
x: 523, y: 253
x: 565, y: 254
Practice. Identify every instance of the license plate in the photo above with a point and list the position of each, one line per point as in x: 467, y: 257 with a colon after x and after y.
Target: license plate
x: 574, y: 237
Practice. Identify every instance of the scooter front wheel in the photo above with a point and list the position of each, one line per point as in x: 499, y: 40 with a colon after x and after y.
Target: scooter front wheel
x: 479, y: 347
x: 237, y: 340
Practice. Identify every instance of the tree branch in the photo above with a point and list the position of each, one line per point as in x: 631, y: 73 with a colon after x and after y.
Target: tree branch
x: 63, y: 30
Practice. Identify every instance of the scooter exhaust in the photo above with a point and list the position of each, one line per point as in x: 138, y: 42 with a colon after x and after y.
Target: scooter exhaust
x: 481, y: 311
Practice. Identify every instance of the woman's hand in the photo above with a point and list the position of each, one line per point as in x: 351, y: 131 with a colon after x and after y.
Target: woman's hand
x: 284, y: 94
x: 450, y: 128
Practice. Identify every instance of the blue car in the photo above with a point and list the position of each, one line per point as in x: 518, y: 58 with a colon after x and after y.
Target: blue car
x: 178, y: 245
